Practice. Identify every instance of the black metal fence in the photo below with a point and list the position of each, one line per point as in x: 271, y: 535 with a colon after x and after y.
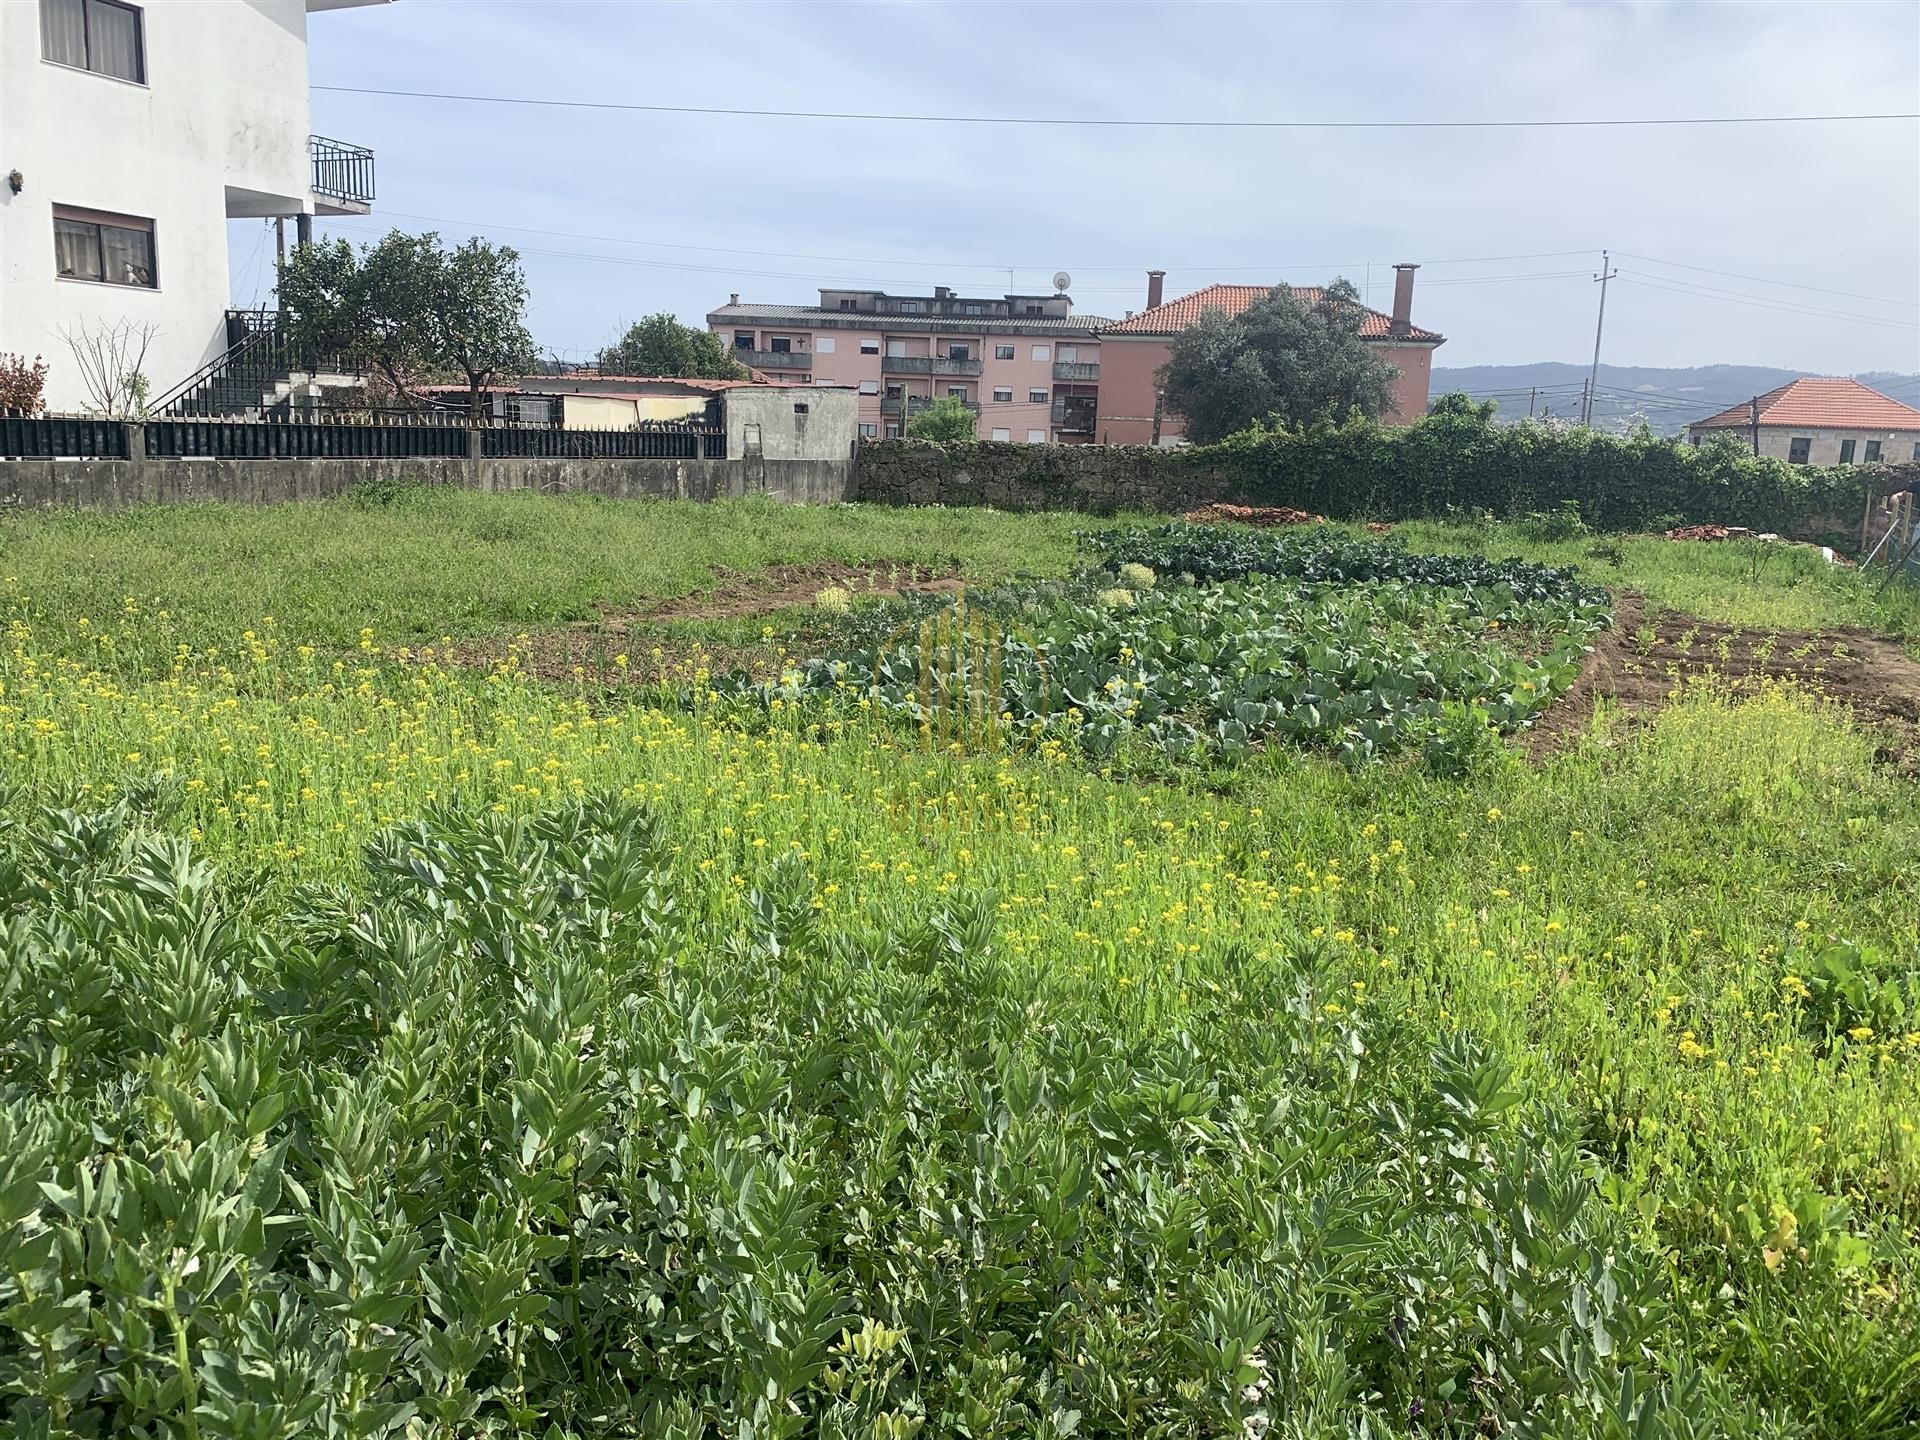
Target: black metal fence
x: 293, y: 440
x: 428, y: 435
x: 49, y: 437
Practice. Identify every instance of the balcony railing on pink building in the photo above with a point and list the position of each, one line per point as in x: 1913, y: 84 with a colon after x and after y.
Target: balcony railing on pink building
x: 775, y: 359
x: 1076, y: 369
x: 927, y: 365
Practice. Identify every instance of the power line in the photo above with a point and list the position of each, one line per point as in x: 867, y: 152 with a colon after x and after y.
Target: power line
x: 1240, y: 266
x: 1763, y: 280
x: 732, y: 270
x: 1786, y: 308
x: 1111, y: 123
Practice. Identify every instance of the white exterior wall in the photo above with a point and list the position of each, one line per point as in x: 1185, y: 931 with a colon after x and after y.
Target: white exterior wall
x: 1777, y: 441
x: 218, y: 129
x: 825, y: 430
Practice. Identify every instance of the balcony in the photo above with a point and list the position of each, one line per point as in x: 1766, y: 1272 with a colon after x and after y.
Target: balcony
x: 1076, y: 369
x: 775, y: 359
x: 914, y: 404
x: 927, y: 365
x: 342, y: 176
x: 1075, y: 416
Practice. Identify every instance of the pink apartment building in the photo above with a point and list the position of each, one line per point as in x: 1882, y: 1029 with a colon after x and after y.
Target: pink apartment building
x: 1131, y: 411
x: 1026, y: 364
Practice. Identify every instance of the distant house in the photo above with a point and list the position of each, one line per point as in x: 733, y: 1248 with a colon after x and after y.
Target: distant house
x: 1131, y: 412
x: 1820, y: 422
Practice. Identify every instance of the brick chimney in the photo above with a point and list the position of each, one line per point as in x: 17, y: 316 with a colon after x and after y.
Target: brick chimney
x: 1402, y: 300
x: 1155, y: 279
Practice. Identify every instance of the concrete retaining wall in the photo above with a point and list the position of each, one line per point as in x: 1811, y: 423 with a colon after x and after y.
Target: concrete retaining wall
x: 112, y: 483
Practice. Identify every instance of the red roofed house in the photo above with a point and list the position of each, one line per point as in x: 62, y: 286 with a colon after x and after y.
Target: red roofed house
x: 1131, y: 350
x: 1821, y: 422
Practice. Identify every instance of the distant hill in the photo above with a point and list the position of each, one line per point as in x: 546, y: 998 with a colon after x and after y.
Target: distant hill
x: 1667, y: 398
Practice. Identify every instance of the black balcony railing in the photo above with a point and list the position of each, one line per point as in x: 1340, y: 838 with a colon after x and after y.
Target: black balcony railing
x: 341, y: 171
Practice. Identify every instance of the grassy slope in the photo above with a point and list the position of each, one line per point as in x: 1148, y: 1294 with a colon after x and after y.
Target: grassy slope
x: 463, y: 563
x: 467, y: 564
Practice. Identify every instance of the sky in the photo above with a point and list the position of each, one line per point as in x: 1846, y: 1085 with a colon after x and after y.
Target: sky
x: 618, y: 215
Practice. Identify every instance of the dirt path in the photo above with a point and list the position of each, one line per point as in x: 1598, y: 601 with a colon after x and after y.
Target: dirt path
x: 1641, y: 662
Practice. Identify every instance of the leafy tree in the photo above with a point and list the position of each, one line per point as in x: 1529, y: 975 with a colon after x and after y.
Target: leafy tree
x: 412, y: 309
x: 1281, y: 361
x: 661, y: 345
x: 946, y: 419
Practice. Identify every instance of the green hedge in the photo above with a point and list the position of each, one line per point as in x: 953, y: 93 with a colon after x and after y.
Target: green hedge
x: 1457, y: 458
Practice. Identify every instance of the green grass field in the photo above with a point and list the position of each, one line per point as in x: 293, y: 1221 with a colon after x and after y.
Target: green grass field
x: 397, y: 1046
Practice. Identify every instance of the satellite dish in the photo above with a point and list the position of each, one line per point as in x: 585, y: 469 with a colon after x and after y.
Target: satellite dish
x: 1061, y: 280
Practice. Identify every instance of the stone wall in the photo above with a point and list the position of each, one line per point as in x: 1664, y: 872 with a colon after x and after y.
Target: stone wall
x: 1097, y: 478
x: 113, y: 483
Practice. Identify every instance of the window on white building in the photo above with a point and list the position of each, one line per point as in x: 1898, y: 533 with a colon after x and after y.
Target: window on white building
x: 1798, y: 448
x: 1872, y: 456
x: 116, y: 249
x: 1002, y: 434
x: 1003, y: 352
x: 869, y: 387
x: 1043, y: 352
x: 1036, y: 437
x: 823, y: 345
x: 99, y: 35
x: 1003, y: 397
x: 1846, y: 452
x: 1036, y: 397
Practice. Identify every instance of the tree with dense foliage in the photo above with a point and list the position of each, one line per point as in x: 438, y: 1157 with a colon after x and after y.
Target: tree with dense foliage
x: 661, y: 345
x: 412, y: 309
x: 944, y: 420
x: 1281, y: 361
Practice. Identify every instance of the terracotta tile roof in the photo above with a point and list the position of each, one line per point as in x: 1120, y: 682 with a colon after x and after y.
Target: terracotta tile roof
x: 1176, y: 315
x: 1819, y: 404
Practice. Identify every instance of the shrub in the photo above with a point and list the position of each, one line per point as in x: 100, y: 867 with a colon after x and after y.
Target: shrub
x: 23, y: 386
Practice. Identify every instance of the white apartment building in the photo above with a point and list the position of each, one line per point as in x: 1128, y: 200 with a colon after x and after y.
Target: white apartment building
x: 129, y: 135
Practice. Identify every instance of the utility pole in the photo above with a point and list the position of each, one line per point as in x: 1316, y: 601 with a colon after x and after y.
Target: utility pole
x: 1753, y: 421
x: 1533, y: 396
x: 1593, y: 376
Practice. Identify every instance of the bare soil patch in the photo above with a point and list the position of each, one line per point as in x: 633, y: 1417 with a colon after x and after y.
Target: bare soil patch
x: 638, y: 646
x: 779, y: 588
x: 1642, y: 662
x: 1264, y: 516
